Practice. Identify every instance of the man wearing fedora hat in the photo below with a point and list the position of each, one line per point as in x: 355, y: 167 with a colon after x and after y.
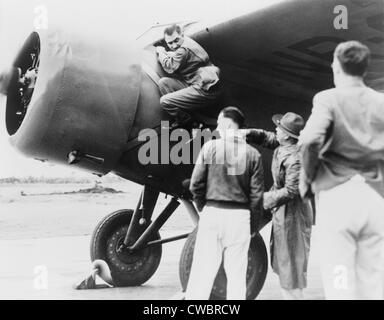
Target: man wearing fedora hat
x: 291, y: 217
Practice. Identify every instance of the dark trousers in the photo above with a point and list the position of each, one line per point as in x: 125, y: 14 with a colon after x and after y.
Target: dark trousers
x: 179, y: 99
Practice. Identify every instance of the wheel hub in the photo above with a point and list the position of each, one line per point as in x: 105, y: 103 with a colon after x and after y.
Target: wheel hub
x: 122, y: 258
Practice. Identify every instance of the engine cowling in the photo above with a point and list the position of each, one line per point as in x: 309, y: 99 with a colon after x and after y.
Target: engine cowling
x: 81, y: 103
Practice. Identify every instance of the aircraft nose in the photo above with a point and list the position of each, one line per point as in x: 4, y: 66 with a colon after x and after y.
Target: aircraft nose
x: 80, y: 105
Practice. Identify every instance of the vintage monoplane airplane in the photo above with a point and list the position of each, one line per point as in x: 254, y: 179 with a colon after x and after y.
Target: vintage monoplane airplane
x: 89, y: 99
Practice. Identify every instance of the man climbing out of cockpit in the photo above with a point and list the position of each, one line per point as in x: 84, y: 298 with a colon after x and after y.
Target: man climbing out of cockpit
x: 195, y: 80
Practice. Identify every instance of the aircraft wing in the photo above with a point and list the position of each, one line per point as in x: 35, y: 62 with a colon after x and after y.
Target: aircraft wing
x: 286, y: 49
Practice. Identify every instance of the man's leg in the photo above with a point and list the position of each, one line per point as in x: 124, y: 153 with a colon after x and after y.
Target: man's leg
x: 292, y: 294
x: 168, y: 85
x: 369, y: 268
x: 207, y: 257
x: 336, y: 219
x: 181, y: 103
x: 237, y: 240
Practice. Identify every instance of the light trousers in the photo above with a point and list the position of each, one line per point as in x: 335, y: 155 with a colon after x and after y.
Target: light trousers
x: 292, y: 294
x: 351, y: 233
x: 222, y: 234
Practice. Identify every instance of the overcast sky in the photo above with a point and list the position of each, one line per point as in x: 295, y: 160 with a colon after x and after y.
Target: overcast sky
x: 118, y: 18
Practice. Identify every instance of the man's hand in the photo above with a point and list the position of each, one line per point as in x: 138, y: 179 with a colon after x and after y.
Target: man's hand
x: 305, y: 187
x: 267, y: 201
x: 160, y: 49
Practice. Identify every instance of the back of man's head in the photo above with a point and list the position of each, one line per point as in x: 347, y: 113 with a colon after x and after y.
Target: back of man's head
x: 235, y: 114
x: 353, y: 57
x: 171, y: 29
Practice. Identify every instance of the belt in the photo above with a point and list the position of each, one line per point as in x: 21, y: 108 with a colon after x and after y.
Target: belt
x: 227, y: 204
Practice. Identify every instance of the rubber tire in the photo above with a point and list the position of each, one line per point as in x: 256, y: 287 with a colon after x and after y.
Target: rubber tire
x: 116, y: 224
x: 256, y: 272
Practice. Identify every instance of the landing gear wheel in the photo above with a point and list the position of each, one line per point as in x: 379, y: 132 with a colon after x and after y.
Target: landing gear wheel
x: 127, y: 269
x: 256, y: 272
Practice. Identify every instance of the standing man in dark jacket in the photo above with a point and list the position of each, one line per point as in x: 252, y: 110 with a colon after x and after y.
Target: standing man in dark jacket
x: 195, y: 81
x: 343, y: 164
x: 291, y: 217
x: 227, y: 184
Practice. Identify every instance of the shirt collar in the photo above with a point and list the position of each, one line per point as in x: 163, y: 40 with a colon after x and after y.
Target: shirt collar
x: 351, y: 82
x: 230, y: 134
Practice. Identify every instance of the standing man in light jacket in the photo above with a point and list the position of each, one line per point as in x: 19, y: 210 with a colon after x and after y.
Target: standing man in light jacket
x: 227, y: 185
x: 193, y: 82
x: 291, y: 217
x: 343, y: 164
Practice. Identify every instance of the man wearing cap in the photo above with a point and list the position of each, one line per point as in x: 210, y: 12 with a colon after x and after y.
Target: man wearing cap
x: 291, y: 217
x: 227, y: 185
x: 193, y: 82
x: 343, y: 164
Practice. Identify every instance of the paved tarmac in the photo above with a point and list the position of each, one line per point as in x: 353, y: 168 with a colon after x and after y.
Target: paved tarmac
x: 44, y: 244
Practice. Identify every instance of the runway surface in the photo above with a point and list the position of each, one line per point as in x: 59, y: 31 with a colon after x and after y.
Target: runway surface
x: 44, y: 245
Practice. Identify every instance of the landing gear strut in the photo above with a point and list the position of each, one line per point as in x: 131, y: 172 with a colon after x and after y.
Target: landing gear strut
x: 130, y: 243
